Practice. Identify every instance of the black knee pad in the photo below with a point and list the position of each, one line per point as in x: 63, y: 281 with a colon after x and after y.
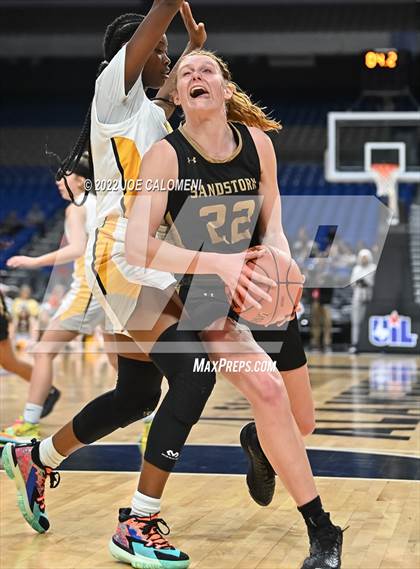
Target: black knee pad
x: 137, y: 392
x: 138, y: 389
x: 188, y: 395
x: 135, y: 396
x: 189, y: 388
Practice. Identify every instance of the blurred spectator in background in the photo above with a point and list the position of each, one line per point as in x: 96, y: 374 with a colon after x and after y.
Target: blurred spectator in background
x: 321, y: 298
x: 8, y: 359
x: 300, y: 245
x: 362, y: 279
x: 321, y: 321
x: 25, y: 313
x: 36, y: 218
x: 50, y: 305
x: 11, y: 224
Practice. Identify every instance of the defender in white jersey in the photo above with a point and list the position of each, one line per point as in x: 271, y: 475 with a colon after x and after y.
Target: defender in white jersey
x: 79, y: 313
x: 123, y: 127
x: 120, y: 126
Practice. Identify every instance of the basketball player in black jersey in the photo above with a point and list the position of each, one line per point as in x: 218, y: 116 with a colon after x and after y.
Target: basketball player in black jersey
x: 224, y: 198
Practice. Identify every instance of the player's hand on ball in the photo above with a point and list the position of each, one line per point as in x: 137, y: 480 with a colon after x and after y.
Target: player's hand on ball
x: 196, y: 32
x: 20, y: 262
x: 241, y: 281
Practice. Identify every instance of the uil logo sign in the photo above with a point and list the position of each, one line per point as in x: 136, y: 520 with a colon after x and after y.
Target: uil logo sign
x: 392, y: 330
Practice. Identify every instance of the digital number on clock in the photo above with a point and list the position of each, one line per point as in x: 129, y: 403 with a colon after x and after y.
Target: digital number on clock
x: 386, y: 59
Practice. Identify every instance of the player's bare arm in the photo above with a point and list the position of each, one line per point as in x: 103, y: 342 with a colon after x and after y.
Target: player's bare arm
x: 270, y: 224
x: 147, y: 37
x: 75, y: 248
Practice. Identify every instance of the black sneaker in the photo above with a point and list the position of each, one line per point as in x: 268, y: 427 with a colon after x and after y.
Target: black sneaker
x: 326, y: 542
x: 261, y: 478
x: 52, y: 398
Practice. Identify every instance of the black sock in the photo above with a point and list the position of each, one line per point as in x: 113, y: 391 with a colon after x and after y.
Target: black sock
x: 313, y: 513
x: 35, y: 455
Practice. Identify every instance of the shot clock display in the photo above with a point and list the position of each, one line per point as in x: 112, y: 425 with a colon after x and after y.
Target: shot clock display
x: 381, y: 58
x: 384, y: 69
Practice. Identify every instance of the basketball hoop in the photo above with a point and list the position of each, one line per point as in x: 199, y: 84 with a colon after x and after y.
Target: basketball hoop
x: 385, y: 176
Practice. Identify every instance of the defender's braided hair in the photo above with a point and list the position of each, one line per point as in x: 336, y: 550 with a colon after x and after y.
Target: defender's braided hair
x: 116, y: 35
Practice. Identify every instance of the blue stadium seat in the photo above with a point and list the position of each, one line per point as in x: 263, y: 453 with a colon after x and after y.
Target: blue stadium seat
x: 20, y: 188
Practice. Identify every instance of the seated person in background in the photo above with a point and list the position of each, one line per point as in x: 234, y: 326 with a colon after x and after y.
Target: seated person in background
x: 36, y: 218
x: 11, y: 224
x: 25, y: 312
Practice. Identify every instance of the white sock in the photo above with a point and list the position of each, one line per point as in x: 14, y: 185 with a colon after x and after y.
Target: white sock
x: 48, y: 455
x: 142, y: 505
x: 32, y: 413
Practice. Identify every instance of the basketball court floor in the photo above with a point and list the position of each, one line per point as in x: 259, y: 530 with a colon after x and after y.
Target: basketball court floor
x: 364, y: 454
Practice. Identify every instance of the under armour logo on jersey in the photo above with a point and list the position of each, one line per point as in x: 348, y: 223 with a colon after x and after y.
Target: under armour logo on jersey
x: 171, y: 454
x: 193, y: 160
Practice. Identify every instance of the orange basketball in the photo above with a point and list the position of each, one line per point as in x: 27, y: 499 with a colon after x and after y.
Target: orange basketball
x: 285, y: 296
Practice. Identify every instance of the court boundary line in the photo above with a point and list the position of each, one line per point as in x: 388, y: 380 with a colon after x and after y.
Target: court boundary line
x: 231, y: 475
x: 363, y: 451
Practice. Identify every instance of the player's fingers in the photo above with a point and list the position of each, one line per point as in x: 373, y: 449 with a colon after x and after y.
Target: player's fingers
x: 253, y: 288
x: 255, y: 253
x: 245, y: 299
x: 258, y: 277
x: 238, y: 301
x: 187, y: 16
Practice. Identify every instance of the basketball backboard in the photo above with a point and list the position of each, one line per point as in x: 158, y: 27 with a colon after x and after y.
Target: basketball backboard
x: 356, y: 140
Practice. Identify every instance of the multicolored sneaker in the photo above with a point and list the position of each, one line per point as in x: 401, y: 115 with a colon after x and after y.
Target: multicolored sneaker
x: 20, y: 432
x: 5, y: 437
x: 139, y: 541
x: 260, y: 478
x: 30, y: 483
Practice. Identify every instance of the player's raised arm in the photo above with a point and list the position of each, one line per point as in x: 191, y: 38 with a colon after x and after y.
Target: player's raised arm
x: 197, y: 37
x: 146, y: 38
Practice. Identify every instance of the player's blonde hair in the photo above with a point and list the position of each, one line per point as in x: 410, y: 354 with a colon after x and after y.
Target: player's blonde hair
x: 240, y: 107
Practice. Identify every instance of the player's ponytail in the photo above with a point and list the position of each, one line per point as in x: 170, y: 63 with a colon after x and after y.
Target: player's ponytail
x: 240, y: 108
x: 116, y: 35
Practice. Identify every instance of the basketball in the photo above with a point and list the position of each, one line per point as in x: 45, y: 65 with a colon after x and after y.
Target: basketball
x: 282, y: 269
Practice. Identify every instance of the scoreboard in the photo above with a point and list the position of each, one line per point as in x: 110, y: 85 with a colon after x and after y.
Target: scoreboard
x: 384, y: 69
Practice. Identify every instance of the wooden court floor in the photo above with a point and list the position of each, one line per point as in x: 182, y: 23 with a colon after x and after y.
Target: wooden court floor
x: 364, y: 451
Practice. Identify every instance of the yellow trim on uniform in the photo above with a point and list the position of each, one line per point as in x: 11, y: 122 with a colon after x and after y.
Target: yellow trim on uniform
x: 130, y: 160
x: 112, y: 279
x: 83, y: 294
